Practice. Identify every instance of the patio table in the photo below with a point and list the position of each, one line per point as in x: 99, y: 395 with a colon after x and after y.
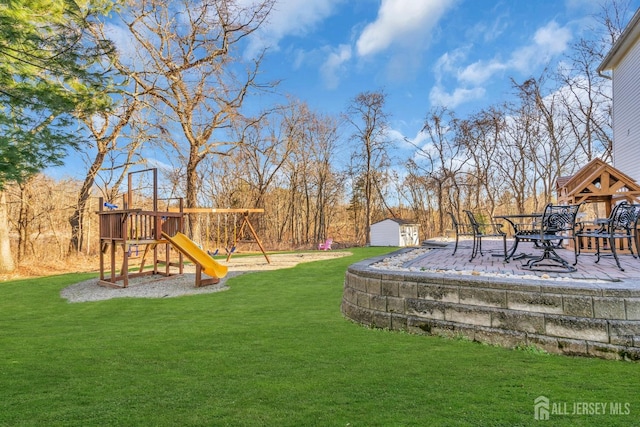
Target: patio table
x: 524, y: 229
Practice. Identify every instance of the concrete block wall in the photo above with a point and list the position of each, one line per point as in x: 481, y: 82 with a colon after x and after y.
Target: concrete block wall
x: 573, y: 318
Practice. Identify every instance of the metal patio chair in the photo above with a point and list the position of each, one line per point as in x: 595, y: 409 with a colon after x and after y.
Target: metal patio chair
x: 558, y: 223
x: 482, y: 230
x: 621, y: 224
x: 460, y: 228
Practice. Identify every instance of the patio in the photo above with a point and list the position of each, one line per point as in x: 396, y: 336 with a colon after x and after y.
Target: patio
x: 594, y: 311
x: 606, y: 269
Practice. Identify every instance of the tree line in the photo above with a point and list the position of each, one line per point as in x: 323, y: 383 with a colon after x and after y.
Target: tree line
x: 180, y: 85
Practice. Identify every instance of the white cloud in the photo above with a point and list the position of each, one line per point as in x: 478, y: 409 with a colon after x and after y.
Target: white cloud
x: 448, y: 62
x: 153, y: 162
x: 418, y: 140
x: 289, y: 17
x: 401, y: 22
x: 395, y: 136
x: 334, y: 64
x: 552, y: 38
x: 438, y: 96
x: 481, y: 71
x: 547, y: 42
x: 499, y: 25
x: 447, y: 66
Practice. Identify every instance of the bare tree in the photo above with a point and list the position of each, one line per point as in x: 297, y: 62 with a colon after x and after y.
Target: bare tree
x: 366, y: 114
x: 516, y: 152
x: 443, y: 160
x: 327, y: 182
x: 554, y: 147
x: 36, y: 202
x: 587, y: 102
x: 306, y: 179
x: 420, y: 196
x: 586, y: 94
x: 482, y: 136
x: 295, y: 124
x: 284, y: 165
x: 264, y: 152
x: 612, y: 19
x: 105, y: 130
x: 187, y: 61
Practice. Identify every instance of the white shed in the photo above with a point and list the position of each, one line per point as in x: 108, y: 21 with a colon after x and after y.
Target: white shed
x: 394, y: 232
x: 623, y: 63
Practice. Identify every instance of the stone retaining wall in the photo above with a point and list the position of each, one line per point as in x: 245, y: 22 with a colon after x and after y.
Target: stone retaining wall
x: 572, y: 318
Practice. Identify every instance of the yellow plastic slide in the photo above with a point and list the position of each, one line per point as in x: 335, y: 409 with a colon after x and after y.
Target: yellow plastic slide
x: 192, y: 251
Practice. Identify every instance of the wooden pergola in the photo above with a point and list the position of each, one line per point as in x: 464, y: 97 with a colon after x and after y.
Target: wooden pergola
x: 596, y: 182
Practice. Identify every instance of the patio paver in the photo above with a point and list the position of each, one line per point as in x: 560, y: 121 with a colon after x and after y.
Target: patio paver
x: 441, y: 258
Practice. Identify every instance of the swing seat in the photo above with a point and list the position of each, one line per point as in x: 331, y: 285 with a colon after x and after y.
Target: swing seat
x: 132, y: 248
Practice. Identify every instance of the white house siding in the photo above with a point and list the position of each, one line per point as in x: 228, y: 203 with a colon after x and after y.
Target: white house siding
x: 626, y: 123
x: 385, y: 233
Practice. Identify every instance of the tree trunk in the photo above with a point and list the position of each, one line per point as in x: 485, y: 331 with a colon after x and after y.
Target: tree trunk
x: 192, y: 229
x: 6, y: 259
x: 77, y: 218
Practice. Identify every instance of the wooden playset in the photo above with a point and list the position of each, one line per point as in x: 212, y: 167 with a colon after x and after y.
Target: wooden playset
x: 124, y: 232
x: 130, y: 229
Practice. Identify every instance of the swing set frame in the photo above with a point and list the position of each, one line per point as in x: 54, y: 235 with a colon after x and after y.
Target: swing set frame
x: 245, y: 223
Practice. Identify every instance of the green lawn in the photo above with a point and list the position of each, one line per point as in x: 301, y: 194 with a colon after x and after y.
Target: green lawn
x: 273, y: 350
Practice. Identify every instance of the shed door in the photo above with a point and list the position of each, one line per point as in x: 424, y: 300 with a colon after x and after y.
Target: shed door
x: 408, y: 235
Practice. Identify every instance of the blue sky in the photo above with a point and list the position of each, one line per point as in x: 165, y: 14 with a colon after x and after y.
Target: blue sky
x: 459, y: 54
